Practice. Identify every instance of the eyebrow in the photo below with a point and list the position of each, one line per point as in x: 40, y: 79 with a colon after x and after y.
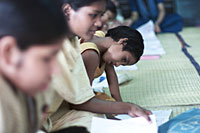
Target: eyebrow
x: 99, y: 11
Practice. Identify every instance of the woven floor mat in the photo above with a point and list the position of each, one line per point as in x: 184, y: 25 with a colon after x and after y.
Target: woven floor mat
x: 192, y: 37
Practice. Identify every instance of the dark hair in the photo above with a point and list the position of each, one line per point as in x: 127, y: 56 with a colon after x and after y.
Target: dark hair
x: 134, y: 44
x: 111, y: 7
x: 76, y: 4
x: 32, y: 22
x: 73, y: 129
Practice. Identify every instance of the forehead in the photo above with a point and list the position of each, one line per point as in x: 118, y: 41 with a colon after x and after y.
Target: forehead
x: 98, y: 6
x: 44, y: 49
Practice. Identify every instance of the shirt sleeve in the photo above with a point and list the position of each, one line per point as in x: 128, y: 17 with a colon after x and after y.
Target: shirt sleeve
x: 72, y: 84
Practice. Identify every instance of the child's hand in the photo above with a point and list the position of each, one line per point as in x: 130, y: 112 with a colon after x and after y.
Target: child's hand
x: 157, y: 28
x: 136, y: 111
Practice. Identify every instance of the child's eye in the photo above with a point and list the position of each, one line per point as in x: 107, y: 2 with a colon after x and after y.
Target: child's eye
x: 102, y: 14
x: 46, y: 59
x: 124, y: 60
x: 93, y: 15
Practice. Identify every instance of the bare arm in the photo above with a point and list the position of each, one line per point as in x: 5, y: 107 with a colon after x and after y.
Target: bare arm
x: 113, y: 82
x: 91, y: 61
x: 134, y: 16
x: 161, y: 16
x: 107, y: 107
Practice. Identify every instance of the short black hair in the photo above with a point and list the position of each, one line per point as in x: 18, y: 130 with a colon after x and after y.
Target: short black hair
x: 76, y: 4
x: 32, y: 22
x: 134, y: 44
x: 110, y: 6
x: 73, y: 129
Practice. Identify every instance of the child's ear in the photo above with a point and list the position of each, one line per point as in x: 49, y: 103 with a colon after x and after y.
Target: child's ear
x: 66, y: 9
x: 9, y: 52
x: 122, y: 41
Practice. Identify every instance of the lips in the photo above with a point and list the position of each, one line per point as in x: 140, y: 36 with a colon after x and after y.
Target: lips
x: 92, y: 31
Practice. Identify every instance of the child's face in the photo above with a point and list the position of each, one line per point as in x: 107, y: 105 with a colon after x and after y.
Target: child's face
x: 85, y: 21
x: 38, y: 64
x: 31, y: 70
x: 116, y: 56
x: 107, y: 17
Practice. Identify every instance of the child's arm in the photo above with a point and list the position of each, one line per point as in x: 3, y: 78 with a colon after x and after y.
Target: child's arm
x: 113, y: 82
x: 91, y: 61
x: 160, y: 18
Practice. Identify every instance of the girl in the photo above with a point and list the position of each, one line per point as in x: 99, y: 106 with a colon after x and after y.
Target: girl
x: 75, y: 102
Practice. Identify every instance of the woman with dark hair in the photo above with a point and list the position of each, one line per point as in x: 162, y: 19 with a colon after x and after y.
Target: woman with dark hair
x: 75, y: 102
x: 72, y: 84
x: 31, y: 33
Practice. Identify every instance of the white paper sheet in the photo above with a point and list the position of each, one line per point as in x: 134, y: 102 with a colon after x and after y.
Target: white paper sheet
x: 136, y: 125
x: 162, y: 116
x: 126, y: 68
x: 98, y: 86
x: 152, y: 45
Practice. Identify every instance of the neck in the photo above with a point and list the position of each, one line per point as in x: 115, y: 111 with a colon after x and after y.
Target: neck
x: 102, y: 43
x: 71, y: 36
x: 12, y: 84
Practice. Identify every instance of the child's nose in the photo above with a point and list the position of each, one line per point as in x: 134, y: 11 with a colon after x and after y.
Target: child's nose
x: 117, y: 64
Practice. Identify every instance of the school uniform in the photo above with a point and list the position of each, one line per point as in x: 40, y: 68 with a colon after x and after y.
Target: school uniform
x: 72, y: 86
x: 20, y: 113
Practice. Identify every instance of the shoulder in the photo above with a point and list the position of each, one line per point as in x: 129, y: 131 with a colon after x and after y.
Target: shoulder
x: 88, y: 47
x: 90, y: 54
x: 100, y: 33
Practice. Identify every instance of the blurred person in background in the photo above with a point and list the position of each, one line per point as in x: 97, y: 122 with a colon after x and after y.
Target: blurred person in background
x: 31, y: 34
x: 145, y: 10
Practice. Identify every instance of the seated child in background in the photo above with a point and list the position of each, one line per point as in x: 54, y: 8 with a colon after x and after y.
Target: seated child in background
x: 109, y: 15
x: 121, y: 46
